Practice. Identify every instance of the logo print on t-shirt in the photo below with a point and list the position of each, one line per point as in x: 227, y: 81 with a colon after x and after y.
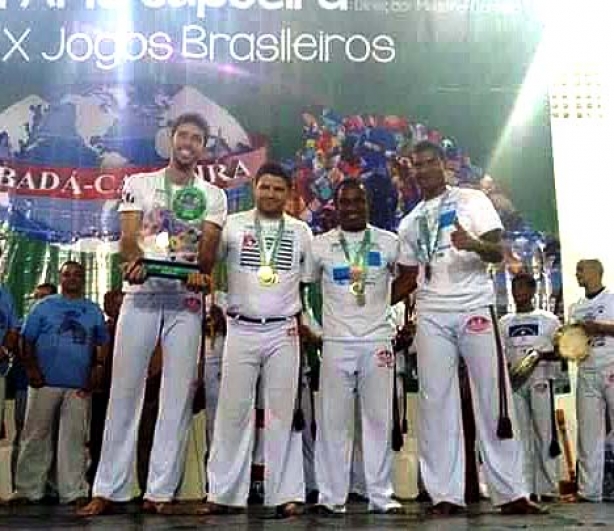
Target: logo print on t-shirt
x: 70, y: 325
x: 249, y: 241
x: 524, y: 330
x: 250, y: 254
x: 478, y: 324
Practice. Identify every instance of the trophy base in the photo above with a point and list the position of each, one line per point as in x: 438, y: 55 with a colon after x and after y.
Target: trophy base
x: 170, y: 270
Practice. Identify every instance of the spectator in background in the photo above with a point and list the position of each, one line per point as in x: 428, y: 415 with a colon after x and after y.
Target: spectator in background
x: 383, y: 199
x: 507, y: 211
x: 404, y: 179
x: 19, y: 381
x: 44, y: 290
x: 60, y: 337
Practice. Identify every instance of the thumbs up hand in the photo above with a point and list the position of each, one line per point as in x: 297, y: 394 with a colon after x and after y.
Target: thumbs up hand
x: 462, y: 240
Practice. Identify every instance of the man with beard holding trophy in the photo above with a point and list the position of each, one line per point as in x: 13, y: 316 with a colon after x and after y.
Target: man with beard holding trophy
x: 527, y: 332
x: 592, y: 315
x: 268, y: 257
x: 171, y: 222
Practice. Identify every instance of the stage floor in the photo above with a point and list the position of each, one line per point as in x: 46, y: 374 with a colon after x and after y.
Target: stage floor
x: 563, y: 516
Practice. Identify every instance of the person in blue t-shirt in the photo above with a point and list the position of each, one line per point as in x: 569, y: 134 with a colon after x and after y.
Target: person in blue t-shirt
x: 64, y: 343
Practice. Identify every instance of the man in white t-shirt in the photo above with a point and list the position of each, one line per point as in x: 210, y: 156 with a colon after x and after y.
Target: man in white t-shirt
x: 595, y: 388
x: 534, y: 329
x: 170, y: 215
x: 268, y: 256
x: 446, y: 243
x: 355, y: 263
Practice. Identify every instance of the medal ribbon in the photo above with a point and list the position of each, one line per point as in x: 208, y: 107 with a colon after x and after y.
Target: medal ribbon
x: 429, y: 240
x: 360, y: 257
x: 269, y: 255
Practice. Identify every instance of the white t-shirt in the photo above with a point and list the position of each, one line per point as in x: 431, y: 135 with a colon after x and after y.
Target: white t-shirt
x: 342, y: 317
x: 293, y: 264
x: 459, y: 279
x: 163, y: 236
x: 522, y: 332
x: 599, y: 308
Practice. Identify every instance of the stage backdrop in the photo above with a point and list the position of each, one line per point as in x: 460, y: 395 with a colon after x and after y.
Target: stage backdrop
x: 330, y: 87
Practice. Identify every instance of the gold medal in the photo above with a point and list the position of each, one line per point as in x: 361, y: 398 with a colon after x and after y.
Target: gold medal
x: 358, y: 290
x: 267, y: 276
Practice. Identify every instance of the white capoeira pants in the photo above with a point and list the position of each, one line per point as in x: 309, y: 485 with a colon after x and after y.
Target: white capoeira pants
x: 594, y: 399
x: 365, y: 369
x: 441, y: 338
x: 358, y: 483
x: 271, y: 351
x: 534, y: 423
x: 213, y: 377
x: 37, y: 444
x: 143, y: 318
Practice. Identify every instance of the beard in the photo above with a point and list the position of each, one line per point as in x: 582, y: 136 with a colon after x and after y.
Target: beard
x: 184, y: 162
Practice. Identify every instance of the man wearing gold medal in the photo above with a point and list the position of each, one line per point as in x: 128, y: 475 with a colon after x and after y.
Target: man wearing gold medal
x: 446, y: 243
x: 172, y: 216
x: 595, y: 388
x: 355, y: 263
x: 268, y: 256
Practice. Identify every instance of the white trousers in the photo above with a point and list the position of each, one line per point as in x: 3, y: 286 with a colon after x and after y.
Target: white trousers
x: 594, y: 399
x: 534, y: 423
x: 37, y: 444
x: 441, y: 339
x: 213, y: 376
x: 142, y: 319
x: 366, y: 369
x: 358, y: 483
x: 271, y: 351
